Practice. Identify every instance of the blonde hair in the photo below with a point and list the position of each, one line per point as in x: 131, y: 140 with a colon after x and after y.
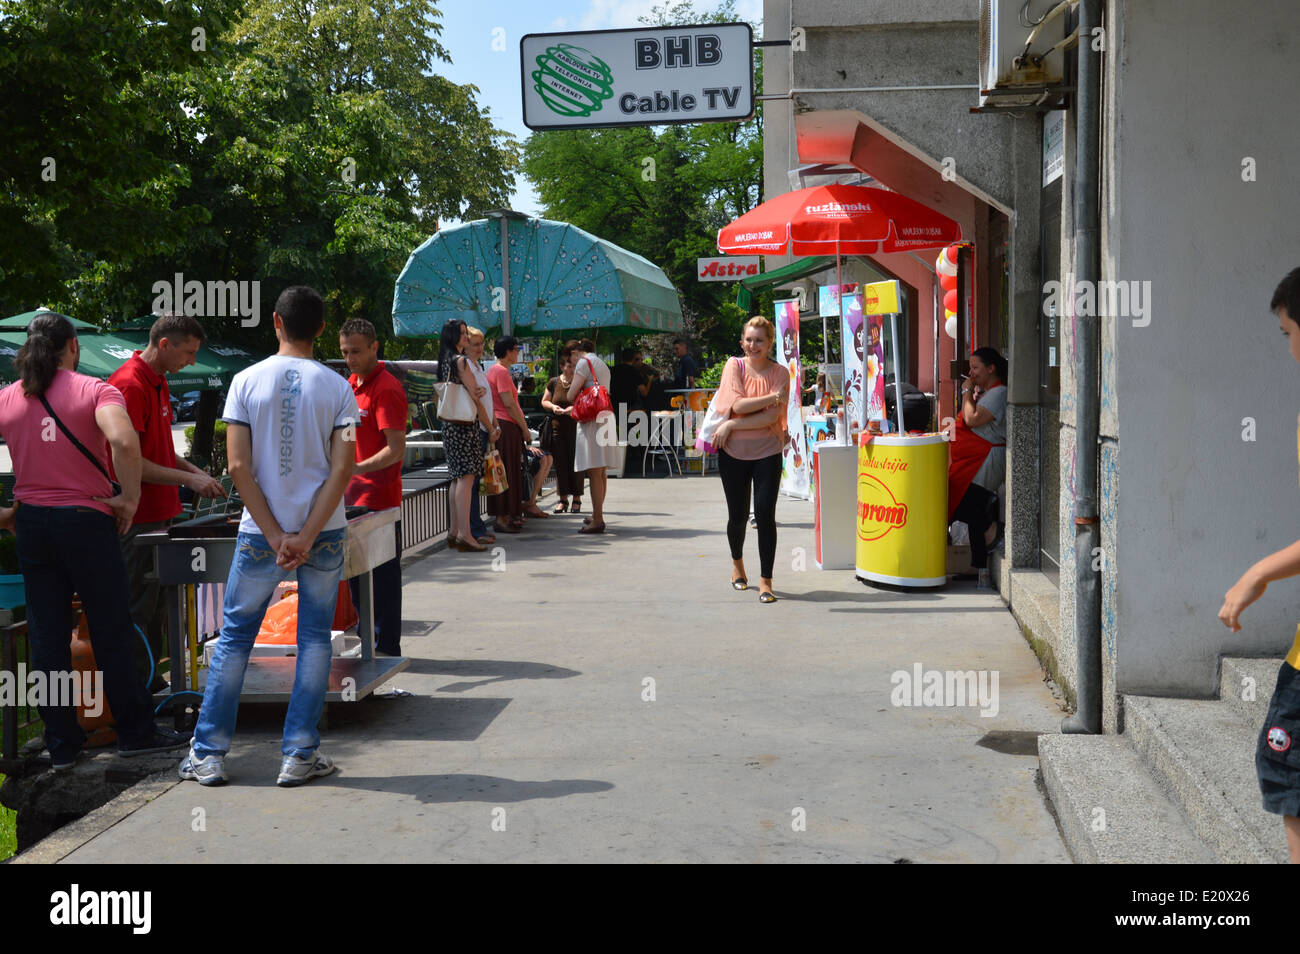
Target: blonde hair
x: 474, y: 333
x: 758, y: 321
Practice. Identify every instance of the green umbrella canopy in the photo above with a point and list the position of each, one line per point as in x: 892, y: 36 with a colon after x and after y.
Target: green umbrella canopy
x: 94, y: 362
x: 562, y: 279
x: 102, y: 354
x: 215, y: 365
x: 20, y: 322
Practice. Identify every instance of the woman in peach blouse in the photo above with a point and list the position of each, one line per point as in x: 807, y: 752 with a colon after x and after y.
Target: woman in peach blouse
x: 753, y: 393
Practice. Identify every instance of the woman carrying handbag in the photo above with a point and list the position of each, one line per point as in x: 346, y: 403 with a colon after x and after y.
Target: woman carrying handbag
x: 461, y: 414
x: 477, y: 528
x: 596, y: 443
x: 751, y: 403
x: 564, y: 430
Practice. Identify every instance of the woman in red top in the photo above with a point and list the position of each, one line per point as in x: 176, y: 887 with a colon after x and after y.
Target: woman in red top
x: 508, y: 508
x: 978, y: 453
x: 753, y: 393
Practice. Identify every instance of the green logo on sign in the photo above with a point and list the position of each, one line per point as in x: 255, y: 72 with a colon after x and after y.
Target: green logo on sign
x: 572, y: 81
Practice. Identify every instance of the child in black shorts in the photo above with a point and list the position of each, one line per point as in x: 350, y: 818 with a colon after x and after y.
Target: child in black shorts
x: 1277, y: 754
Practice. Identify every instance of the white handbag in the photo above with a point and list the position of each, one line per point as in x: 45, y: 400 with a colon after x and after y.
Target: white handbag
x: 713, y: 418
x: 455, y: 403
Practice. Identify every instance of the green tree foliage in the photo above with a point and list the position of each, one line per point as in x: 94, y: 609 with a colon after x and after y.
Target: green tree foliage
x: 662, y: 192
x: 88, y: 174
x: 298, y: 142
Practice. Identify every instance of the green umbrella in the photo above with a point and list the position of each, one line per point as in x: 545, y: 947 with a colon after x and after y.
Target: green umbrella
x: 213, y: 368
x: 94, y: 362
x: 20, y: 322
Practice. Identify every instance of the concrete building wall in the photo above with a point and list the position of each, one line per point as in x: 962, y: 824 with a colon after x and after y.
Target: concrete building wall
x: 1201, y: 87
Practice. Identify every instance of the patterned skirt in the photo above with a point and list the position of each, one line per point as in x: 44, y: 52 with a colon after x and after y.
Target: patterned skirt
x: 463, y: 447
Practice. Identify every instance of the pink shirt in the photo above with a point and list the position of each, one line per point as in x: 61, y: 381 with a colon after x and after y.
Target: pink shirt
x: 49, y: 470
x: 499, y: 380
x: 742, y: 382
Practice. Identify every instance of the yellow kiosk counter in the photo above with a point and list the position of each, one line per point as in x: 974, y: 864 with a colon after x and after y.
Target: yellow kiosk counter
x: 902, y: 516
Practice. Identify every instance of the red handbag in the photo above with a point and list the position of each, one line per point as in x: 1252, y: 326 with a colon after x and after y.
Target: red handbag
x: 592, y: 401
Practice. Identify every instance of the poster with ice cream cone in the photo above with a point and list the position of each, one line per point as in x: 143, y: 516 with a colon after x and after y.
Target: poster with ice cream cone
x: 854, y: 369
x: 795, y: 462
x: 873, y: 350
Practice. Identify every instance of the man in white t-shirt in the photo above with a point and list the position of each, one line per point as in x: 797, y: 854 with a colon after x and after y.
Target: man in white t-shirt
x: 290, y: 440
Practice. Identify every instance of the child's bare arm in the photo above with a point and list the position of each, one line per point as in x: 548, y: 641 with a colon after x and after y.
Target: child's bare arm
x: 1251, y: 586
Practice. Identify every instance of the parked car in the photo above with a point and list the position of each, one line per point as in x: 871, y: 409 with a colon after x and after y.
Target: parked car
x: 185, y: 407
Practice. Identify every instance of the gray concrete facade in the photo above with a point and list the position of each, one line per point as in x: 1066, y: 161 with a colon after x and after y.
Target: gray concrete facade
x: 1200, y: 96
x: 1196, y: 198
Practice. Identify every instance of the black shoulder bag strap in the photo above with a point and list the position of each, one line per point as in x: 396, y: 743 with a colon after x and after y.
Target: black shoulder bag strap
x: 117, y: 488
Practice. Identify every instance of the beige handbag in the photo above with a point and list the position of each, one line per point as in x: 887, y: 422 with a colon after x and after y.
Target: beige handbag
x: 455, y: 402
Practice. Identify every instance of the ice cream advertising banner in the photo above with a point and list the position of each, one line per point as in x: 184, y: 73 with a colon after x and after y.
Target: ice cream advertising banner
x: 828, y: 299
x: 796, y: 477
x: 873, y: 354
x: 854, y: 366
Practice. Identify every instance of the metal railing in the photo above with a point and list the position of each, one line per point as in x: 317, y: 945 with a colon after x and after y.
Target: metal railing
x: 426, y: 513
x: 14, y: 649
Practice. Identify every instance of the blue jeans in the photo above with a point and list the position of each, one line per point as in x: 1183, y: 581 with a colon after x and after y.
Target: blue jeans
x: 252, y: 581
x: 477, y: 528
x: 66, y: 550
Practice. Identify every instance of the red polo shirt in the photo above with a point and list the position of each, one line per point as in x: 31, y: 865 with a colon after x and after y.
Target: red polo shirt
x: 149, y: 404
x: 382, y: 403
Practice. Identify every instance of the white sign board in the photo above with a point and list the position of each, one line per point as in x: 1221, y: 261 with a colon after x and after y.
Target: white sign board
x: 1053, y: 145
x: 729, y: 268
x: 649, y: 76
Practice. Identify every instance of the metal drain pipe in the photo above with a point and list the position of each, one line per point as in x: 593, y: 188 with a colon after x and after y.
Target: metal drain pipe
x: 1087, y: 266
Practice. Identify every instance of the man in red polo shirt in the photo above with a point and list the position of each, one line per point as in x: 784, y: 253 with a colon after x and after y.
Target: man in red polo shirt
x: 174, y: 342
x: 377, y: 480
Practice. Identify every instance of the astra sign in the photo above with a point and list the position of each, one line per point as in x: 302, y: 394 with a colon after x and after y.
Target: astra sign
x: 726, y: 269
x: 643, y: 77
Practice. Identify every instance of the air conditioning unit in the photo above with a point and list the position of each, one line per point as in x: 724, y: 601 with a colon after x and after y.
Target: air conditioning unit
x: 1021, y: 50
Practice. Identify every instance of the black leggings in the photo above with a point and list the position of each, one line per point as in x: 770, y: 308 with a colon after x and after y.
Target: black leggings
x: 974, y: 512
x: 765, y: 475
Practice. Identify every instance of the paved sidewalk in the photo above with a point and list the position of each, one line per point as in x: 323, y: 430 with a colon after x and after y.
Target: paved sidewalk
x: 528, y: 715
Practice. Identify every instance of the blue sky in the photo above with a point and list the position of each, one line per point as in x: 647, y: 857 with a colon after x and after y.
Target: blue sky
x: 468, y: 33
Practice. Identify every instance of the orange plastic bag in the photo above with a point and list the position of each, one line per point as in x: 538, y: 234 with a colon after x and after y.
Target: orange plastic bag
x: 345, y: 614
x: 280, y: 625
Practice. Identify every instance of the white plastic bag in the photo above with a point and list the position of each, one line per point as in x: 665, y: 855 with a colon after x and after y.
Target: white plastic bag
x: 713, y: 418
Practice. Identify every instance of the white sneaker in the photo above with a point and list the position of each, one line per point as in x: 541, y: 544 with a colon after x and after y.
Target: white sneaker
x: 209, y: 771
x: 296, y: 771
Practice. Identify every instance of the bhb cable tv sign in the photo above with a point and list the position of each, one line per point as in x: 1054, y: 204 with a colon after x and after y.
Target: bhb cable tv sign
x: 652, y: 76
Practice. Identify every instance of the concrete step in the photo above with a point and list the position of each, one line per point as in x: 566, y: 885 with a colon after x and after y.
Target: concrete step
x: 1202, y: 753
x: 1240, y: 679
x: 1110, y: 808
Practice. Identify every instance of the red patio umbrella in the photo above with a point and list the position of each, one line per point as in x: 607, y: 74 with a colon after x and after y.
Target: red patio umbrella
x: 840, y: 219
x: 843, y: 219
